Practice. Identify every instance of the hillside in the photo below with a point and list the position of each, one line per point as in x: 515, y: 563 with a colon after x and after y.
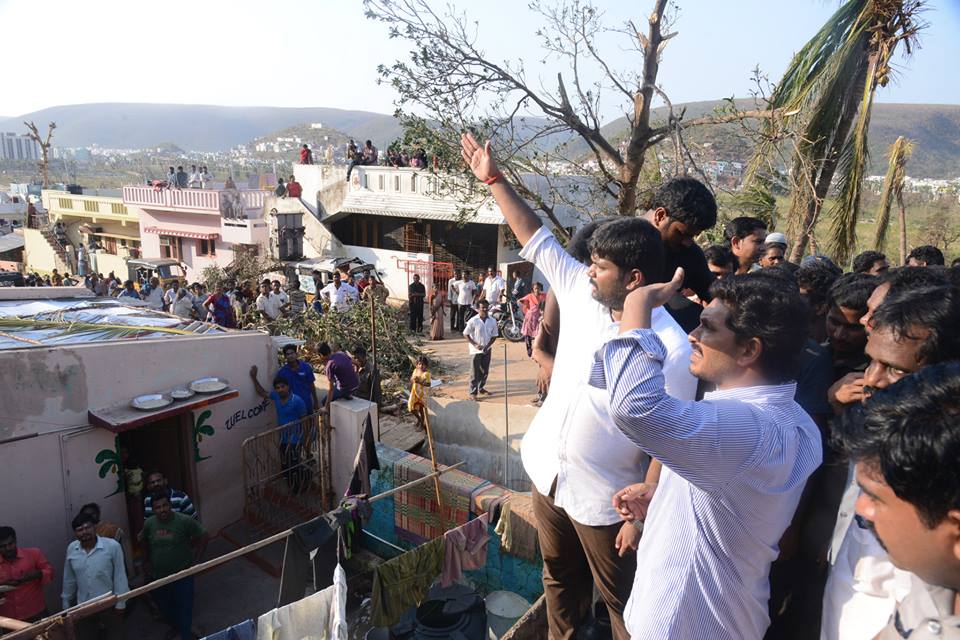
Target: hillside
x: 935, y: 128
x: 196, y: 127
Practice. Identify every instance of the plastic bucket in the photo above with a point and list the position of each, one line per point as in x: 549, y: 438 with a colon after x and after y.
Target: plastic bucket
x: 504, y: 608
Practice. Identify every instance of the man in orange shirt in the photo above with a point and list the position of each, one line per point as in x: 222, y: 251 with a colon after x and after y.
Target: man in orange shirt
x: 294, y: 190
x: 27, y: 571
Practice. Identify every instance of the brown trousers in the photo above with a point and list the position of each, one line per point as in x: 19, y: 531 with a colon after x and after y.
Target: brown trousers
x: 575, y: 556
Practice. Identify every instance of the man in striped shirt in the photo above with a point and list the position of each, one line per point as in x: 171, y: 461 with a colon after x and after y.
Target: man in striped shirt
x: 735, y: 463
x: 179, y: 501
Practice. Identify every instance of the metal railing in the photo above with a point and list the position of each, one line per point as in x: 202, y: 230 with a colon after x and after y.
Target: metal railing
x: 287, y: 474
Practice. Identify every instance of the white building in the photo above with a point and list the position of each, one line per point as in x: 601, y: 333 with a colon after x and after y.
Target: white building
x: 18, y: 146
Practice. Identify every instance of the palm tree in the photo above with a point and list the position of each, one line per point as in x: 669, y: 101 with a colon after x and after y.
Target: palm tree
x: 825, y: 98
x: 898, y: 154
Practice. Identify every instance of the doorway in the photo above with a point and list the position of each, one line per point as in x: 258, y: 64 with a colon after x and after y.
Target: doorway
x: 165, y: 446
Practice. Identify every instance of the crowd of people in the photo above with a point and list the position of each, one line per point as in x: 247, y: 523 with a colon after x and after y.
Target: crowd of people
x: 166, y: 538
x: 735, y: 446
x: 199, y: 177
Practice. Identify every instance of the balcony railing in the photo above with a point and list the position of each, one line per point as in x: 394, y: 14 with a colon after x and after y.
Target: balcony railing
x: 193, y: 200
x: 63, y: 203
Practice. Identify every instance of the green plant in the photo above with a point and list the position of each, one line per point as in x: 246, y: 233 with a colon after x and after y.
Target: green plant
x: 109, y: 461
x: 200, y: 429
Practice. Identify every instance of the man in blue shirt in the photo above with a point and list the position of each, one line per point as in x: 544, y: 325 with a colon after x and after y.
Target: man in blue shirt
x: 300, y: 378
x: 291, y: 410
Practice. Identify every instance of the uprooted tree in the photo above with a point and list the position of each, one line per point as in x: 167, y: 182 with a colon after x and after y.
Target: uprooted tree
x: 45, y: 145
x: 455, y: 86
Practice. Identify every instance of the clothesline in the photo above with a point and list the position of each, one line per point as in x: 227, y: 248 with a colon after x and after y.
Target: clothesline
x: 108, y: 600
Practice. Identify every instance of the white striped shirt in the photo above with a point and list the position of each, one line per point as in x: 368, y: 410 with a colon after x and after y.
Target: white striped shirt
x: 735, y: 466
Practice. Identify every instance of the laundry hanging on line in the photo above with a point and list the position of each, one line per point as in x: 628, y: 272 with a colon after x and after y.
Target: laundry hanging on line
x: 465, y: 549
x: 322, y: 615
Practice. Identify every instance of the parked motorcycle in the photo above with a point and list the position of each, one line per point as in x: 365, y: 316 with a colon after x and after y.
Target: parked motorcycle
x: 509, y: 319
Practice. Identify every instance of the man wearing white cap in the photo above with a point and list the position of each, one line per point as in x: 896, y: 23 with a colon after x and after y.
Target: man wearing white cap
x: 774, y: 250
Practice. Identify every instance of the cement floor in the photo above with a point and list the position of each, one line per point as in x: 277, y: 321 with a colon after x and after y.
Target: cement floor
x: 455, y: 361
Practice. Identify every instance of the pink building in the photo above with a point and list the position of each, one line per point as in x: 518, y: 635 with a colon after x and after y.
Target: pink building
x: 199, y: 227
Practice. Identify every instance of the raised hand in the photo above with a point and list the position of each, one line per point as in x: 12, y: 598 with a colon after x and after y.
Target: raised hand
x: 479, y: 158
x: 640, y: 303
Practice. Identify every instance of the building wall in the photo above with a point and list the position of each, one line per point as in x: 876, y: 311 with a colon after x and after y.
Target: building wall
x: 46, y: 393
x: 388, y: 266
x: 39, y: 256
x: 193, y: 223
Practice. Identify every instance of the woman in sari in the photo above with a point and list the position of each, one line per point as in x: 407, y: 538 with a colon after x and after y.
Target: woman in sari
x: 218, y: 304
x: 532, y: 306
x: 437, y: 300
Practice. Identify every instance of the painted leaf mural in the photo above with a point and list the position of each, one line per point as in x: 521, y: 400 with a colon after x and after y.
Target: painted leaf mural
x: 109, y: 461
x: 200, y: 429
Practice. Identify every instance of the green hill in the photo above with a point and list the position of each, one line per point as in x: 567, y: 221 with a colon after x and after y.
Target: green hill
x: 935, y: 129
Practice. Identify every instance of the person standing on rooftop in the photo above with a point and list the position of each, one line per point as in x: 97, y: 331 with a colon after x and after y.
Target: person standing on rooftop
x: 306, y: 155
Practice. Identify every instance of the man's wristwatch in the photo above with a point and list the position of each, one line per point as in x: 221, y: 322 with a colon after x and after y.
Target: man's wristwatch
x: 639, y: 525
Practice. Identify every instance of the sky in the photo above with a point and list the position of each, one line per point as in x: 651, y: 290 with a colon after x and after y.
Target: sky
x: 324, y: 53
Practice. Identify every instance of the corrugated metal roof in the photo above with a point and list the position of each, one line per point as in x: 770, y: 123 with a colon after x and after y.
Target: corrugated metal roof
x: 11, y: 241
x: 381, y: 203
x: 25, y: 323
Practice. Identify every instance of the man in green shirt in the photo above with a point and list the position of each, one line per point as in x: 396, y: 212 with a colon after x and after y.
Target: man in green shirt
x: 173, y: 542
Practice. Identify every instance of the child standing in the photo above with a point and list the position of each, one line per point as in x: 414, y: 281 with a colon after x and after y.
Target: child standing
x: 419, y: 389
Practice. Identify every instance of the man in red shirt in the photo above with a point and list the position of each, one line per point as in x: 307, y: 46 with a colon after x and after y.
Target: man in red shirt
x: 294, y: 190
x: 27, y: 571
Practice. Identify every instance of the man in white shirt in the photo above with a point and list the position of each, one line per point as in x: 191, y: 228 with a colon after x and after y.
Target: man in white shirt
x: 282, y: 296
x: 94, y: 566
x: 154, y: 297
x: 466, y: 291
x: 170, y: 295
x: 452, y: 297
x: 268, y: 304
x: 481, y: 332
x: 493, y: 286
x: 573, y: 452
x: 195, y: 177
x: 340, y: 295
x: 206, y: 179
x: 912, y: 327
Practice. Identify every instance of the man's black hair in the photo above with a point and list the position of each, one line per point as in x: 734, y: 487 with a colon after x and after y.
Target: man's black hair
x: 688, y: 201
x: 287, y: 348
x: 483, y: 302
x: 786, y: 272
x: 7, y: 533
x: 360, y: 351
x: 936, y: 309
x: 630, y: 243
x: 914, y: 278
x: 852, y: 290
x: 817, y: 277
x: 863, y: 262
x: 91, y: 507
x: 323, y: 349
x: 280, y: 380
x: 160, y: 495
x: 741, y: 228
x: 762, y: 307
x: 720, y: 255
x: 83, y: 518
x: 579, y: 245
x: 928, y: 254
x: 907, y: 433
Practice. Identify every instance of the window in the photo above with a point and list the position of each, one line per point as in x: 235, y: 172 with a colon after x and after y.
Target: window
x: 207, y: 247
x: 109, y: 244
x: 170, y: 247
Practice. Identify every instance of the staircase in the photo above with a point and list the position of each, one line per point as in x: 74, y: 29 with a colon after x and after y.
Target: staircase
x: 54, y: 243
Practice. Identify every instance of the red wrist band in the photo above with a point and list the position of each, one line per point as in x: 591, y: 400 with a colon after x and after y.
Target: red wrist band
x: 493, y: 179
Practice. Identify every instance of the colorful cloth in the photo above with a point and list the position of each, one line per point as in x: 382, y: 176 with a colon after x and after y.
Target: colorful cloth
x: 403, y: 582
x: 465, y: 549
x: 365, y: 462
x: 533, y: 311
x: 416, y: 514
x: 243, y: 631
